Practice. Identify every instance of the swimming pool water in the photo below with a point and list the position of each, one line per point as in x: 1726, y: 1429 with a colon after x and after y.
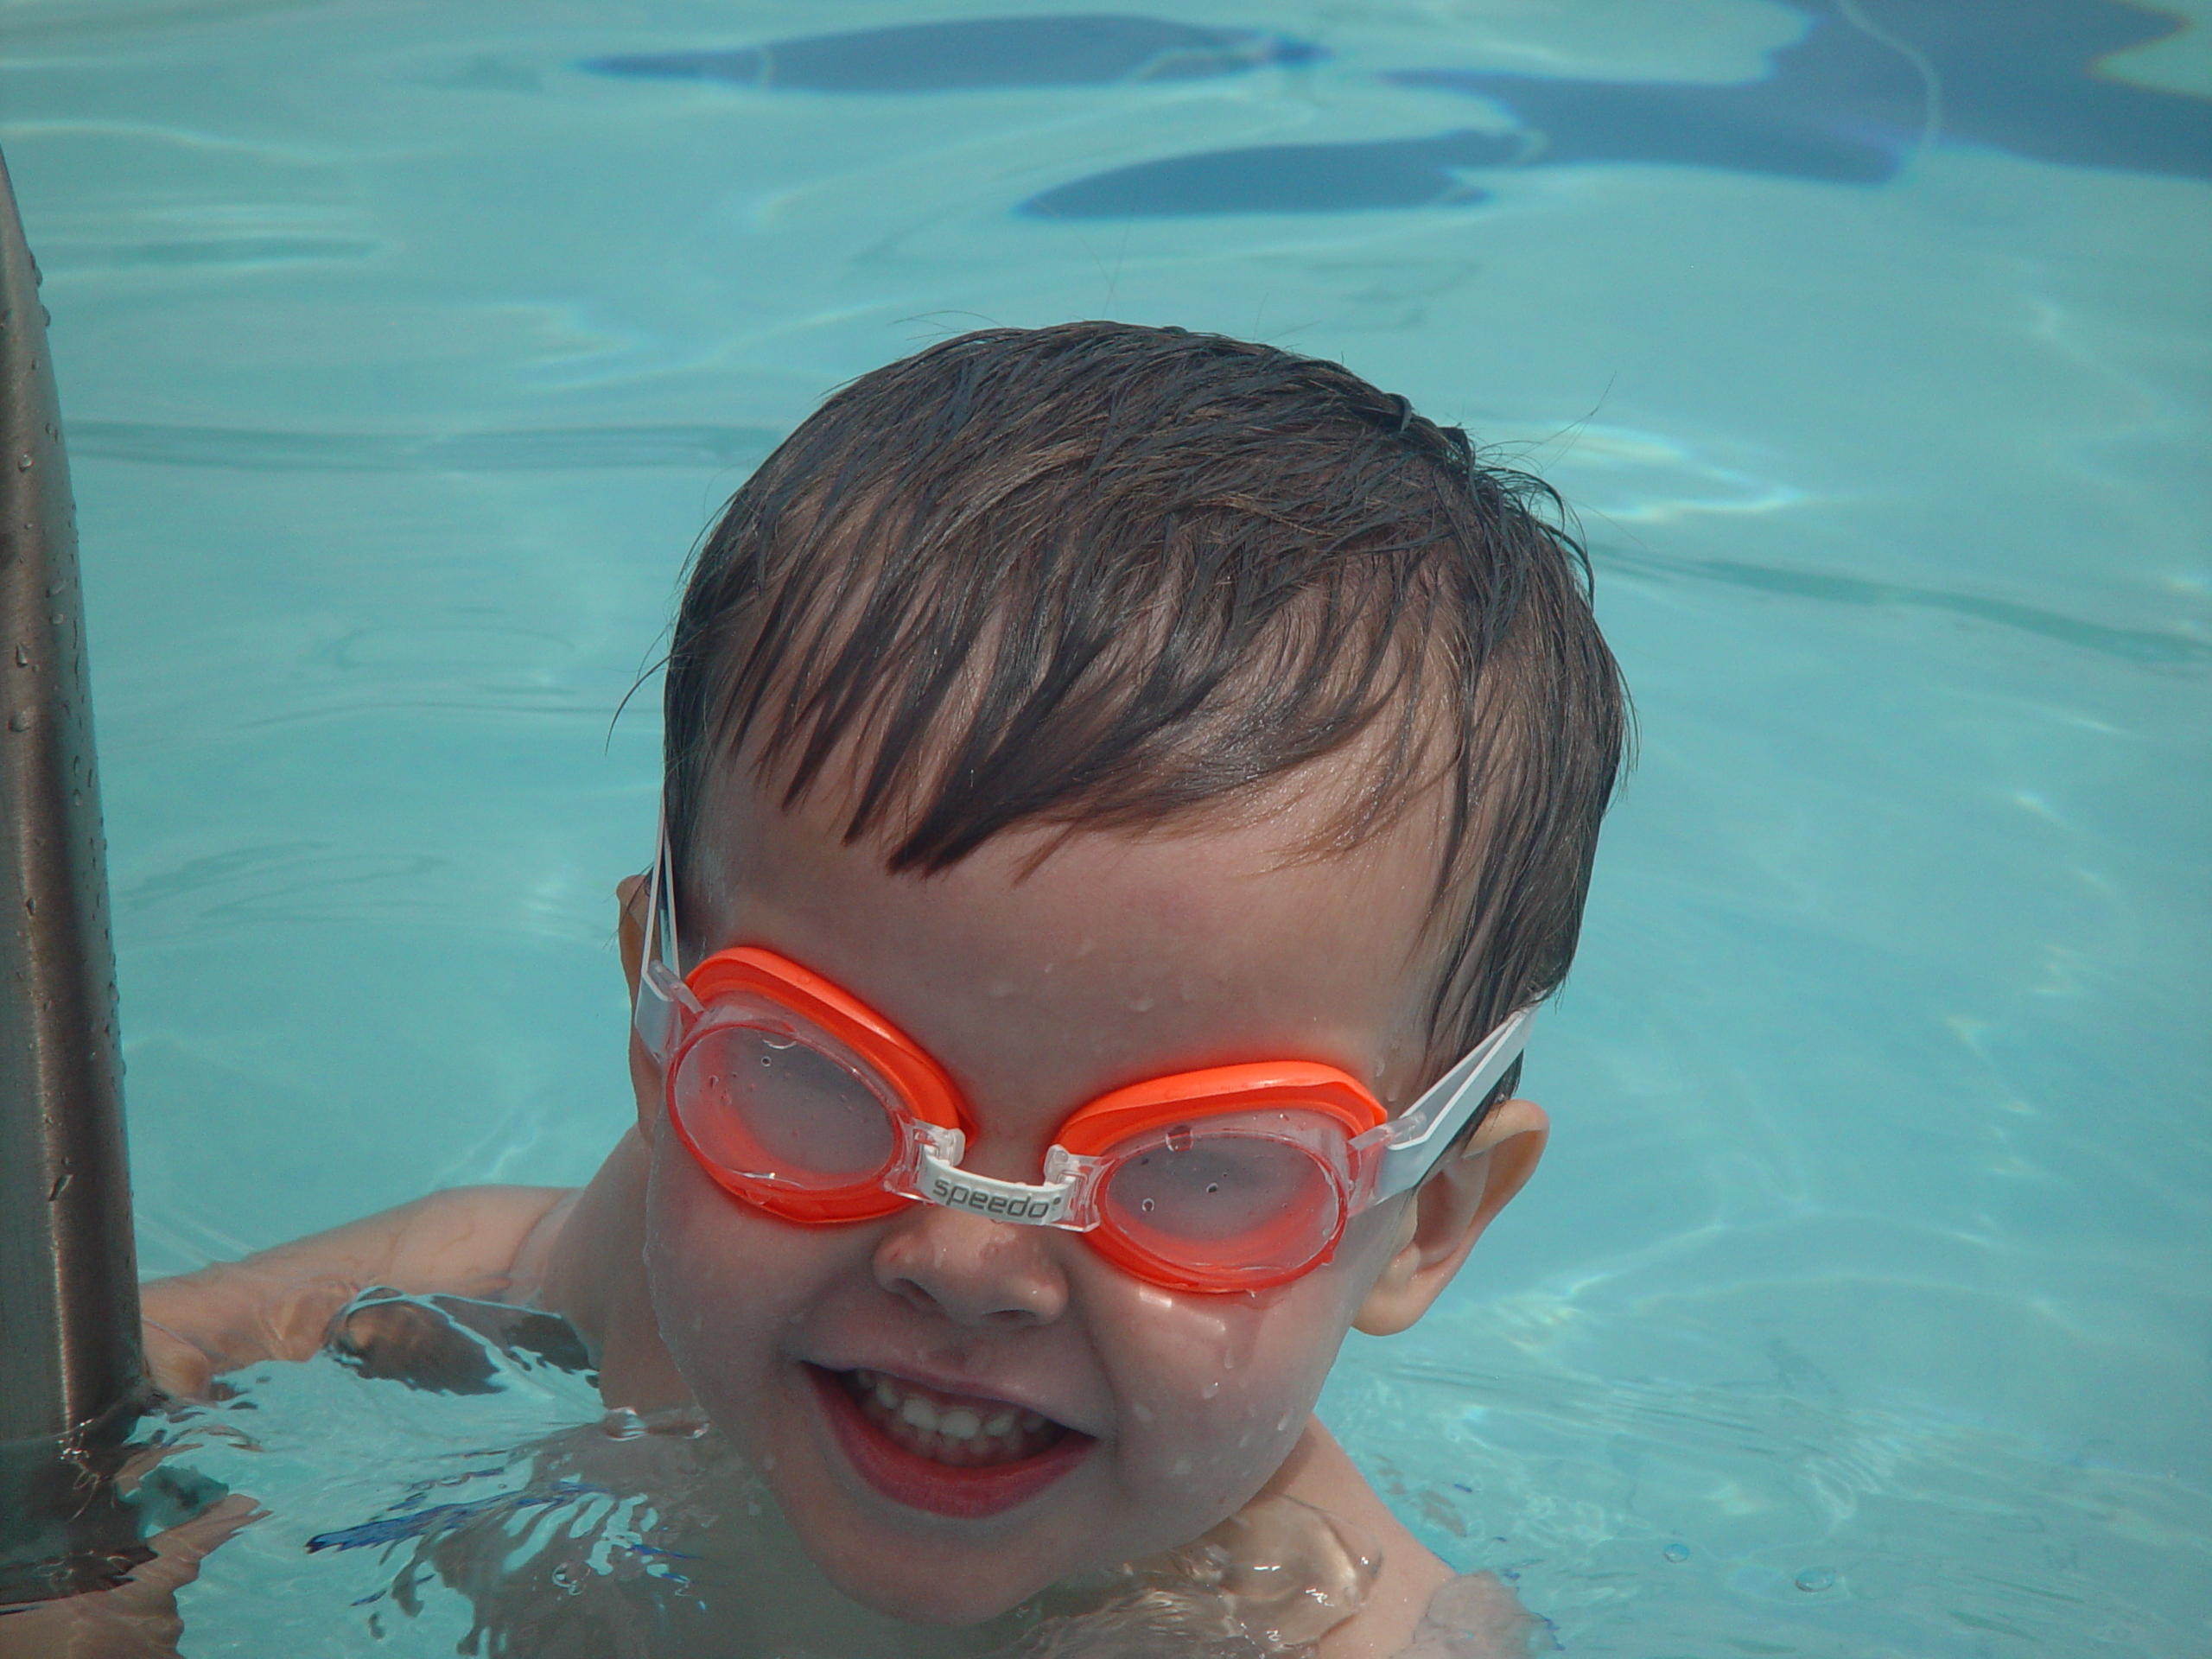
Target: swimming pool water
x: 1861, y: 1308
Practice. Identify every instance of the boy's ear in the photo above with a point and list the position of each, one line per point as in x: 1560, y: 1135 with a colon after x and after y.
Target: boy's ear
x: 1448, y: 1212
x: 644, y: 1075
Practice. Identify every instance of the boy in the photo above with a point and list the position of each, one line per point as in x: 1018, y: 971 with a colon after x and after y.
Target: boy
x: 1112, y: 774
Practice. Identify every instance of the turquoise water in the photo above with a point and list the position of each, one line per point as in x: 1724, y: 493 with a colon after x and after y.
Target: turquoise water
x: 1861, y: 1308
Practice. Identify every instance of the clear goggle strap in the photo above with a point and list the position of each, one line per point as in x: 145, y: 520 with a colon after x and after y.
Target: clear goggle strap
x: 1413, y: 1143
x: 661, y: 990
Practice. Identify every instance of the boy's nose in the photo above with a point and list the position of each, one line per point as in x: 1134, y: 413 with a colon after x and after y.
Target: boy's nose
x: 971, y: 1270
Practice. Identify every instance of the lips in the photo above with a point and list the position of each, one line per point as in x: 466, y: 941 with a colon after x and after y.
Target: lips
x: 965, y: 1457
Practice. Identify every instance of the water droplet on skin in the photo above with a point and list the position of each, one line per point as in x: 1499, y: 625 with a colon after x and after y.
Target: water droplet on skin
x: 1137, y: 1004
x: 1814, y: 1579
x: 1283, y: 1426
x: 1210, y: 1390
x: 1676, y: 1553
x: 1141, y: 1412
x: 1000, y: 987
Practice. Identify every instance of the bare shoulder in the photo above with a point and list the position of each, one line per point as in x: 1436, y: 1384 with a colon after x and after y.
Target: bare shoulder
x: 1416, y: 1608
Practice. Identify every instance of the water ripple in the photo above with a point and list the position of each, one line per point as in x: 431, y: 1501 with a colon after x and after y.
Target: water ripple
x: 531, y: 449
x: 2130, y: 644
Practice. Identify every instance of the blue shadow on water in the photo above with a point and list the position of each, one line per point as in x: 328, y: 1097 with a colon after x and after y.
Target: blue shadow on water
x: 1848, y: 102
x: 1287, y: 179
x: 1098, y: 49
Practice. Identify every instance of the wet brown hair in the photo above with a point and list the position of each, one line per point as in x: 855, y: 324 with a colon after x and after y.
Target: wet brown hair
x: 1101, y: 577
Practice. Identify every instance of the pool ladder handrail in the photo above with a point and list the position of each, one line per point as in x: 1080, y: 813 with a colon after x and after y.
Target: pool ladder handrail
x: 72, y: 1370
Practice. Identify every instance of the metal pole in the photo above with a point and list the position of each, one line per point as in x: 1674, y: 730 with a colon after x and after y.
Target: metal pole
x: 71, y: 1370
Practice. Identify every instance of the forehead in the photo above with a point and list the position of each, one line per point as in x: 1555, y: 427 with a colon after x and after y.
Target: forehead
x: 1049, y: 965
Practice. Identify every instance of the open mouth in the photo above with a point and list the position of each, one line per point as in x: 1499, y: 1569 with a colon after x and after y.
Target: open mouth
x: 961, y: 1455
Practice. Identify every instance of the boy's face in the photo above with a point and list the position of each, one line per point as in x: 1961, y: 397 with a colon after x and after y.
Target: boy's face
x: 1114, y: 960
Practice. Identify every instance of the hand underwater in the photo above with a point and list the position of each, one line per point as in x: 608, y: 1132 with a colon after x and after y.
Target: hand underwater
x: 138, y: 1618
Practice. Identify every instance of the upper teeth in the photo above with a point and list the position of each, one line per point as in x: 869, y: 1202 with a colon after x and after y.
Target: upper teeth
x: 954, y: 1422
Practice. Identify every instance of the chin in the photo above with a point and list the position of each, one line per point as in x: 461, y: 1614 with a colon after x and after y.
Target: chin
x: 938, y: 1581
x: 911, y: 1528
x: 950, y: 1594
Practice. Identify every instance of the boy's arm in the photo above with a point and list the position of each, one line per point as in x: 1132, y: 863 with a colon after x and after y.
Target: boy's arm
x: 276, y: 1304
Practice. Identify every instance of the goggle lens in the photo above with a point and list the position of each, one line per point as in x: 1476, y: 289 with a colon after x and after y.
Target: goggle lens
x: 1226, y: 1199
x: 762, y: 1104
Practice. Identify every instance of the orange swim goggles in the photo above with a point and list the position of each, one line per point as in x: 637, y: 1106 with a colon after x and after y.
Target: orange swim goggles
x: 798, y: 1099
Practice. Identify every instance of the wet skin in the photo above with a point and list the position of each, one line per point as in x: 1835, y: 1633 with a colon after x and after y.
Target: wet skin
x: 1038, y: 985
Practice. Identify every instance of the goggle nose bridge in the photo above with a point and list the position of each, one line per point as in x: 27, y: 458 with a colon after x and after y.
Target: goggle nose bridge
x: 1064, y: 1198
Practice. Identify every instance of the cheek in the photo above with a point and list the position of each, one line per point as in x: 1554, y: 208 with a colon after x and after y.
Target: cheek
x: 726, y: 1282
x: 1214, y: 1391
